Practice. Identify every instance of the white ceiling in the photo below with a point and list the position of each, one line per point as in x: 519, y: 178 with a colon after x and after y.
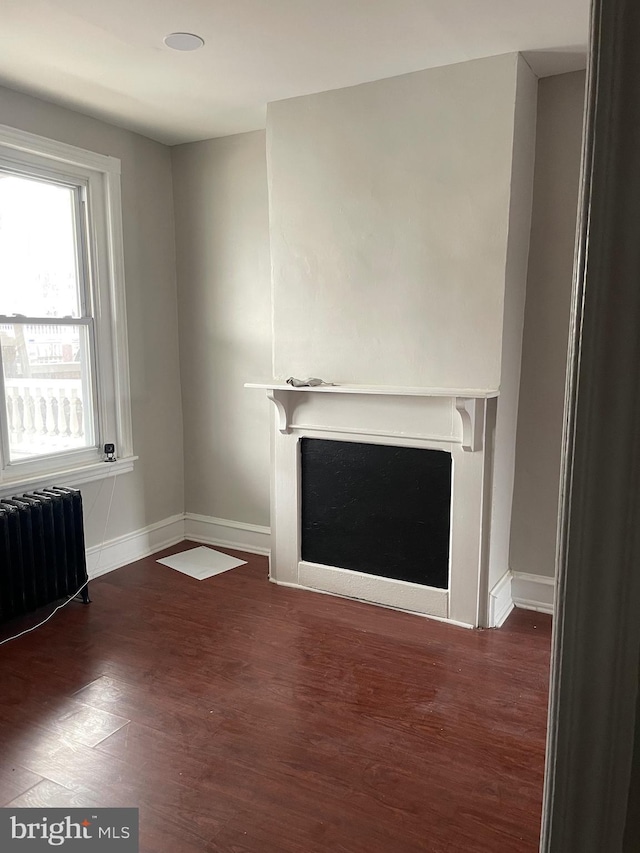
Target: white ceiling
x: 107, y: 58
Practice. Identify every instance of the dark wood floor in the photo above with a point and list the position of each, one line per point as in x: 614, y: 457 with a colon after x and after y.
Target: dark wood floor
x: 249, y: 718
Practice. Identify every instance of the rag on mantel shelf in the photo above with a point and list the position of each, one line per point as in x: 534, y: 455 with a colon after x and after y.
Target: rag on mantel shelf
x: 311, y: 382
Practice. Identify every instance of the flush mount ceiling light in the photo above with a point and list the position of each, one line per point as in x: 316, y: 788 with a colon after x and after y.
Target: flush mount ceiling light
x: 183, y: 41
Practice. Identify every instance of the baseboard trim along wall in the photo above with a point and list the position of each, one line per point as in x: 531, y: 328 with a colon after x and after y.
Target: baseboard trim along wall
x: 500, y: 601
x: 117, y: 552
x: 514, y: 589
x: 227, y: 534
x: 533, y: 592
x: 520, y: 589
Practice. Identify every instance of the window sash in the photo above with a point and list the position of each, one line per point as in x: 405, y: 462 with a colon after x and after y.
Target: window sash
x: 99, y: 210
x: 85, y: 293
x: 85, y: 273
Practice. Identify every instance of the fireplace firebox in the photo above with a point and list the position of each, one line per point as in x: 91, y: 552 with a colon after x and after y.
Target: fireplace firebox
x: 377, y: 509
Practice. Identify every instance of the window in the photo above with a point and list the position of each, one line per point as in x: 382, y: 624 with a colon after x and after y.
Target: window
x: 64, y: 387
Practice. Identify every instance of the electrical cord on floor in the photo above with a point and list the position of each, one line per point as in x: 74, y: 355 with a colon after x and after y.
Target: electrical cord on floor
x: 75, y: 594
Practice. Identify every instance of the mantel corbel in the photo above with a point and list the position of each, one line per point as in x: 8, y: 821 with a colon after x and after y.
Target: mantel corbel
x: 281, y: 400
x: 471, y: 411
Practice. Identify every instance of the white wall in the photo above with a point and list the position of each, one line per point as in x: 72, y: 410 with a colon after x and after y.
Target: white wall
x: 540, y: 416
x: 389, y: 213
x: 154, y: 490
x: 515, y: 281
x: 222, y: 233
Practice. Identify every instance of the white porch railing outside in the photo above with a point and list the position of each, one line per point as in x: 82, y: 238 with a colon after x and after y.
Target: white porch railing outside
x: 45, y: 416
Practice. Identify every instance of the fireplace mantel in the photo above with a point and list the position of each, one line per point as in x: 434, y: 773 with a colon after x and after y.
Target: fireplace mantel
x: 469, y: 402
x: 459, y: 421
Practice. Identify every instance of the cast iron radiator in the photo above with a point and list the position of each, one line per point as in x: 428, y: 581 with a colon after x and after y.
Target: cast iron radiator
x: 42, y: 554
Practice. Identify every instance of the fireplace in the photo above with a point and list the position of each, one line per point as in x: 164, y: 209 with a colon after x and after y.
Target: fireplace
x: 383, y: 495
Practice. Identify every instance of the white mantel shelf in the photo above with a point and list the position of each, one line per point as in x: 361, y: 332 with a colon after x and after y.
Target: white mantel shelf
x: 394, y: 390
x: 469, y: 402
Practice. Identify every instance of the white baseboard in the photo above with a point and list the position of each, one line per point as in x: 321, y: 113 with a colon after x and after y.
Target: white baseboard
x: 134, y: 546
x: 533, y: 592
x: 227, y: 534
x: 200, y: 528
x: 501, y: 601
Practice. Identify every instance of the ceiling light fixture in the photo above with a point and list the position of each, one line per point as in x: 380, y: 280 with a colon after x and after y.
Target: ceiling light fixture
x: 183, y: 41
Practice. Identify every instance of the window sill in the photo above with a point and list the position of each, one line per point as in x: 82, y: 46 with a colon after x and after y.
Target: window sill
x: 68, y: 477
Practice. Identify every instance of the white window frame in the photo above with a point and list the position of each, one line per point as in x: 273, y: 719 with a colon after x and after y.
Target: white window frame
x: 99, y: 176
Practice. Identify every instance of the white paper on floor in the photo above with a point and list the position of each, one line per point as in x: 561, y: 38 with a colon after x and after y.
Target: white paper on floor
x: 201, y: 563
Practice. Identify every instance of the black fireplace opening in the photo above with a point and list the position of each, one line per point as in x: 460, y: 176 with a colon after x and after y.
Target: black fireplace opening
x: 378, y: 509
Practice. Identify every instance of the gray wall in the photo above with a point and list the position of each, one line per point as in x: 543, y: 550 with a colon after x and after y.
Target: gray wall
x: 546, y: 329
x: 222, y: 233
x: 154, y: 490
x: 225, y: 321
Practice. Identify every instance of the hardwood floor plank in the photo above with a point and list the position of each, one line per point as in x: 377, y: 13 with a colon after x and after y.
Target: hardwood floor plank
x: 68, y: 718
x: 47, y: 794
x: 243, y: 717
x: 14, y: 781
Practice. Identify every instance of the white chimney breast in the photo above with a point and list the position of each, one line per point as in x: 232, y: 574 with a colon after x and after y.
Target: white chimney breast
x: 389, y: 220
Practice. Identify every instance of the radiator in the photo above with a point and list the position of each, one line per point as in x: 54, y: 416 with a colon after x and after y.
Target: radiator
x: 42, y: 552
